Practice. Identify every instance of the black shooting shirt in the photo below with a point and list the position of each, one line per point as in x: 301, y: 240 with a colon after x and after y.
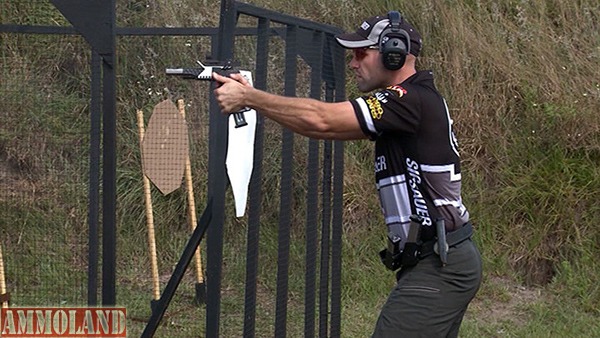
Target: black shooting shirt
x: 417, y: 164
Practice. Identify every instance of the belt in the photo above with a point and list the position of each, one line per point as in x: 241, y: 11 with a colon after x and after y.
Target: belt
x: 452, y: 238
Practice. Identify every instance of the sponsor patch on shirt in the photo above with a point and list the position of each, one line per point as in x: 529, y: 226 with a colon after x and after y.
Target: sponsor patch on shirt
x: 374, y: 107
x: 398, y: 90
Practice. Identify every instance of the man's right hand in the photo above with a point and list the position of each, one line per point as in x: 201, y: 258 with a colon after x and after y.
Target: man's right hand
x: 230, y: 95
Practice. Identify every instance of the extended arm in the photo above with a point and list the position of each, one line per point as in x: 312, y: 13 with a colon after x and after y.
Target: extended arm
x: 309, y: 117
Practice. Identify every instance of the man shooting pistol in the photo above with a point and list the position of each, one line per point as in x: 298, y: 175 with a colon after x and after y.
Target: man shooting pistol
x: 205, y: 73
x: 417, y: 171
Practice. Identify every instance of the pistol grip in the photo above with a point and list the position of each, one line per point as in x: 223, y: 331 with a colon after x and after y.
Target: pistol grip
x: 238, y: 117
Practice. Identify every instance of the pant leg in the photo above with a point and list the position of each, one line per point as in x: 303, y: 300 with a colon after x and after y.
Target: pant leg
x: 430, y: 300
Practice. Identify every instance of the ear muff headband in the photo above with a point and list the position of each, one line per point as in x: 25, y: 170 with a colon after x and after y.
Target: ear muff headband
x: 394, y: 43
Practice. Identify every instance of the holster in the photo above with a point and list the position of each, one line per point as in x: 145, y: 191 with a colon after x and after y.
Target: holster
x: 393, y: 258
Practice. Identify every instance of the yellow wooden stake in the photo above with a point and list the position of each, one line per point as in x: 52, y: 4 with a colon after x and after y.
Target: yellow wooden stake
x: 149, y: 216
x: 3, y: 305
x: 191, y: 202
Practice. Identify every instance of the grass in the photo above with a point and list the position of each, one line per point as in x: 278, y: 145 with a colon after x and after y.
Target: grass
x: 520, y: 79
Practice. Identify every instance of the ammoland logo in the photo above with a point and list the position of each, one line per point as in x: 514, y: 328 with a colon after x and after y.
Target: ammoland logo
x: 63, y: 322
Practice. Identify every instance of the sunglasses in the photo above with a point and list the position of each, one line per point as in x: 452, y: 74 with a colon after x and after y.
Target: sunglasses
x: 361, y: 53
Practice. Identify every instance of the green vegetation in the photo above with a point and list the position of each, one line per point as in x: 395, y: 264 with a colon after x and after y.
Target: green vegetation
x: 520, y: 77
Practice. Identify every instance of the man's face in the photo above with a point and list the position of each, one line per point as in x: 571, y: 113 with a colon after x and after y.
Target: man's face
x: 368, y: 69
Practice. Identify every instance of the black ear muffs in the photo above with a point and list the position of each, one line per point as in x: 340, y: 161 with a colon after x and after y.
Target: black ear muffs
x: 394, y: 43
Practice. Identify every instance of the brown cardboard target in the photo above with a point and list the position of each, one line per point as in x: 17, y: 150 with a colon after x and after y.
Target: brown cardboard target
x: 165, y: 147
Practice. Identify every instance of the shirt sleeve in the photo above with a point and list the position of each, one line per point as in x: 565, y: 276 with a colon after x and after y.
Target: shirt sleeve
x: 394, y: 109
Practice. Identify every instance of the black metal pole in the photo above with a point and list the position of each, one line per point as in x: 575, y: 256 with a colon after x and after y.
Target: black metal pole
x: 94, y: 177
x: 109, y: 174
x: 255, y: 194
x: 95, y: 21
x: 286, y: 193
x: 182, y: 265
x: 312, y: 199
x: 217, y: 178
x: 338, y: 200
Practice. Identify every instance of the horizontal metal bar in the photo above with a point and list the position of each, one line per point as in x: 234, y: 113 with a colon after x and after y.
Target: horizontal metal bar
x: 28, y: 29
x: 182, y: 31
x: 285, y: 19
x: 137, y: 31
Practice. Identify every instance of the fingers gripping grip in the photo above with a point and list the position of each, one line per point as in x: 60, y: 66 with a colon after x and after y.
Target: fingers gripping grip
x: 238, y: 117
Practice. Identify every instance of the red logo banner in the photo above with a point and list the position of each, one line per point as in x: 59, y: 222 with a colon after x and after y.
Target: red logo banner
x: 63, y: 322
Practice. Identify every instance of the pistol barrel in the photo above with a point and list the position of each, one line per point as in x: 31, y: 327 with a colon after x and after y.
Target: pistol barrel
x: 190, y: 73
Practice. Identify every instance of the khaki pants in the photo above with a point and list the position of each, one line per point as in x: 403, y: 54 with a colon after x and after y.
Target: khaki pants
x: 430, y: 300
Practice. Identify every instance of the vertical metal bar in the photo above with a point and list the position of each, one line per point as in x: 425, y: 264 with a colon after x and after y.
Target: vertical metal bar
x: 95, y: 21
x: 287, y: 160
x: 339, y: 70
x: 312, y: 199
x: 337, y: 221
x: 336, y: 65
x: 94, y: 177
x: 109, y: 176
x: 325, y: 241
x: 312, y: 237
x: 336, y: 239
x: 262, y: 53
x: 216, y: 178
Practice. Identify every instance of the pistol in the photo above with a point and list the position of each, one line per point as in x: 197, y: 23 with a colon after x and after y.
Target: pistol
x: 204, y: 73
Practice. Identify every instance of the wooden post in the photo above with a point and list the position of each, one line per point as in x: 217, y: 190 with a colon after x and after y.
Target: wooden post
x: 149, y: 216
x: 3, y: 304
x: 200, y: 286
